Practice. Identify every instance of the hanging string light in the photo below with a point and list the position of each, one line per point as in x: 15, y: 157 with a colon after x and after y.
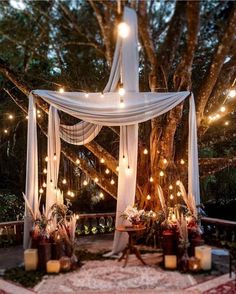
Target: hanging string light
x: 107, y: 171
x: 102, y: 95
x: 64, y: 181
x: 171, y: 196
x: 117, y: 168
x: 145, y: 151
x: 44, y: 185
x: 178, y: 182
x: 86, y: 95
x: 232, y: 93
x: 165, y: 161
x: 171, y: 187
x: 182, y: 161
x: 101, y: 195
x: 161, y: 173
x: 54, y: 157
x: 41, y: 190
x: 151, y: 179
x: 123, y: 30
x: 179, y: 194
x: 72, y: 194
x: 61, y: 90
x: 121, y: 90
x: 69, y: 193
x: 96, y: 180
x: 226, y: 123
x: 85, y: 183
x: 77, y: 161
x: 46, y: 158
x: 5, y: 131
x: 10, y: 116
x: 128, y: 171
x: 222, y: 109
x: 112, y: 182
x: 44, y: 170
x: 102, y: 160
x: 148, y: 197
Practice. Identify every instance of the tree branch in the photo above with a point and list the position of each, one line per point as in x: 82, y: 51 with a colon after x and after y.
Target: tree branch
x: 212, y: 74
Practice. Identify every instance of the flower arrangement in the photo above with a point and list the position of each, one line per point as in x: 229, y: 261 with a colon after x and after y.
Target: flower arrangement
x: 133, y: 215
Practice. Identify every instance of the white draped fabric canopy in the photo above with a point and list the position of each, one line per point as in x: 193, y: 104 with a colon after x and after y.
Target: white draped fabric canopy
x: 97, y: 110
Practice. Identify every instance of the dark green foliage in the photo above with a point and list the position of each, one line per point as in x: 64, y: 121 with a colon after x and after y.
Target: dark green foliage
x: 26, y: 279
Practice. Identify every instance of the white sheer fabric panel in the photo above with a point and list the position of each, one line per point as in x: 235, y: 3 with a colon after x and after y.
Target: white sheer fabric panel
x: 31, y: 185
x: 79, y: 134
x: 54, y: 153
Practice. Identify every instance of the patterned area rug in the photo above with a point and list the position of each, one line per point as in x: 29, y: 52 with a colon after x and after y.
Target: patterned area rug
x: 110, y: 277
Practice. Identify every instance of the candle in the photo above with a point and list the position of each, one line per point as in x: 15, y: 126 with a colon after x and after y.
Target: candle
x: 31, y: 259
x: 204, y: 254
x: 194, y: 264
x: 53, y: 266
x: 170, y: 261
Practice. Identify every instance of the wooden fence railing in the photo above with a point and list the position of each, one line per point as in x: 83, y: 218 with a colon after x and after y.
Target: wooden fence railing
x: 87, y: 224
x: 217, y: 232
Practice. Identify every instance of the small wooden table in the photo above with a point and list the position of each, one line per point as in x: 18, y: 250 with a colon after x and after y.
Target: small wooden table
x: 130, y: 248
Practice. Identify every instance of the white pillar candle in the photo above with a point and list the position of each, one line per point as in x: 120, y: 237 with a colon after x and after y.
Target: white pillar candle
x: 170, y: 261
x: 204, y: 254
x: 53, y: 266
x: 31, y: 259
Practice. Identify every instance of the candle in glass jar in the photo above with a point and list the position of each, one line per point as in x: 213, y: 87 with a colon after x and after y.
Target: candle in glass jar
x: 170, y: 261
x: 204, y: 254
x: 53, y: 266
x: 31, y: 259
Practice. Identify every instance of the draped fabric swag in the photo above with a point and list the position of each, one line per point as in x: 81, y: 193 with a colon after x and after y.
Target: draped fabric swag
x: 97, y: 110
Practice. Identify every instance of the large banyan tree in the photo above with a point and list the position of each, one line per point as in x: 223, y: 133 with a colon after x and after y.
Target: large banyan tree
x: 184, y: 45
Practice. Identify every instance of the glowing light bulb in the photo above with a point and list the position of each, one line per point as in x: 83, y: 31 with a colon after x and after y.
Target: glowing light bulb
x: 123, y: 30
x: 128, y: 171
x: 232, y: 93
x: 121, y: 90
x: 151, y: 179
x: 178, y: 182
x: 145, y: 151
x: 102, y: 160
x: 72, y: 194
x: 44, y: 170
x: 122, y: 103
x: 222, y: 109
x: 102, y: 95
x: 61, y: 90
x: 77, y: 217
x: 27, y: 117
x: 210, y: 117
x: 86, y: 95
x: 226, y: 123
x: 69, y: 193
x: 96, y: 180
x: 165, y: 161
x: 171, y: 187
x: 39, y: 115
x: 85, y: 183
x: 44, y: 185
x: 77, y: 161
x: 46, y: 158
x: 5, y: 131
x: 161, y: 174
x: 171, y: 196
x: 10, y: 116
x: 64, y: 181
x: 41, y: 190
x: 182, y: 161
x: 101, y: 195
x: 38, y: 111
x: 54, y: 156
x: 117, y: 168
x: 107, y: 171
x: 148, y: 197
x: 112, y: 182
x: 179, y: 194
x: 217, y: 115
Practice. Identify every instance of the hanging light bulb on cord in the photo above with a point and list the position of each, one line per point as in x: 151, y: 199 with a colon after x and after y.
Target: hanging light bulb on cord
x: 232, y: 93
x: 121, y: 90
x: 123, y: 30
